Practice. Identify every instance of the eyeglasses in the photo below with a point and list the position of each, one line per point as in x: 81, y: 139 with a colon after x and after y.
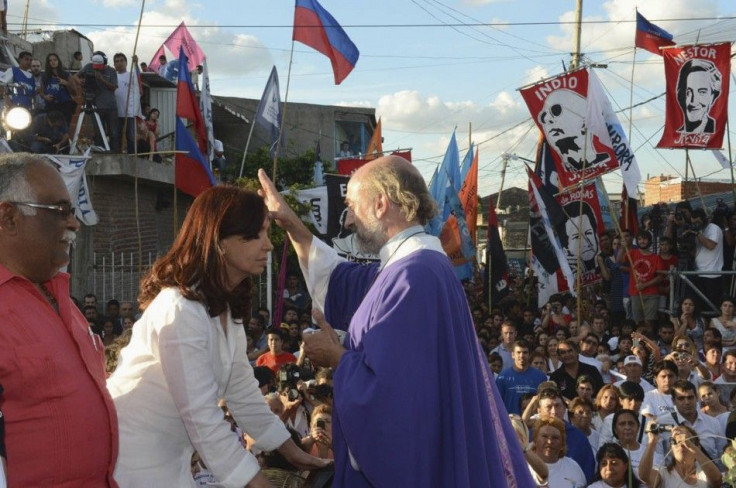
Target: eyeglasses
x: 591, y: 341
x: 64, y: 210
x: 564, y: 351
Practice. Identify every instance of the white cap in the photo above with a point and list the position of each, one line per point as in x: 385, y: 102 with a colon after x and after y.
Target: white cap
x: 632, y: 359
x: 218, y: 146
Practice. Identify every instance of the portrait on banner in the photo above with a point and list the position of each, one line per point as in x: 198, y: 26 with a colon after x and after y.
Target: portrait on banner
x: 579, y: 234
x: 697, y: 96
x: 572, y: 126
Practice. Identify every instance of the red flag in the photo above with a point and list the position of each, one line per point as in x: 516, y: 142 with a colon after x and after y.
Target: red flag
x: 187, y: 105
x: 650, y: 36
x: 192, y: 171
x: 318, y: 29
x: 697, y: 96
x: 570, y: 114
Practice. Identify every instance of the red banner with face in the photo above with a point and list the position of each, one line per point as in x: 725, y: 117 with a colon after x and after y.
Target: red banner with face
x: 697, y: 96
x: 582, y: 227
x: 572, y: 121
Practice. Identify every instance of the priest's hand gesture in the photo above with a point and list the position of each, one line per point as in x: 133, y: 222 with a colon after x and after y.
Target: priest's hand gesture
x: 323, y: 347
x: 285, y: 217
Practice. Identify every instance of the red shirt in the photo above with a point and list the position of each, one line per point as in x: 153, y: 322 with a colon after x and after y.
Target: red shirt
x: 61, y: 429
x: 645, y: 267
x: 269, y: 360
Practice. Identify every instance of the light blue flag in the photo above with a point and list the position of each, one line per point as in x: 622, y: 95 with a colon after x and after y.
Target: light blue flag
x: 465, y: 168
x: 439, y: 184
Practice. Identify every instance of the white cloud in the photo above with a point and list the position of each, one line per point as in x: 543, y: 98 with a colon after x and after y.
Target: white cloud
x: 119, y: 3
x: 38, y: 11
x: 228, y: 54
x: 535, y: 74
x: 409, y: 110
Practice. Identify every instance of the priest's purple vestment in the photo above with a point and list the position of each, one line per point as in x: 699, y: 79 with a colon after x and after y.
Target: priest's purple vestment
x: 415, y: 404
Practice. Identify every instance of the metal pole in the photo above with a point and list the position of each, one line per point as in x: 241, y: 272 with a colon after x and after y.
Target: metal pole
x: 505, y: 158
x: 575, y: 64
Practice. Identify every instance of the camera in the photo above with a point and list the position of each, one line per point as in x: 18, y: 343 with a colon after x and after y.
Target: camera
x: 290, y: 375
x: 90, y: 87
x: 659, y: 429
x: 320, y: 392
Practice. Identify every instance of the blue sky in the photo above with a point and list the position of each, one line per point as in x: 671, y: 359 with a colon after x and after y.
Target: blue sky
x: 424, y: 69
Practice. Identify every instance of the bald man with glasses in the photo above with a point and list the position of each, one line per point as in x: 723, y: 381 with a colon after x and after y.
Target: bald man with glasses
x: 60, y: 422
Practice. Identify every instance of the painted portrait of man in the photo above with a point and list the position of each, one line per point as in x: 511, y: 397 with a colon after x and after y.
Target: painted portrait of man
x: 698, y: 86
x: 562, y: 119
x: 580, y: 235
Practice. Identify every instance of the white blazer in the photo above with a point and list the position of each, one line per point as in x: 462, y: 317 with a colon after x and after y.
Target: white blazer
x: 178, y: 364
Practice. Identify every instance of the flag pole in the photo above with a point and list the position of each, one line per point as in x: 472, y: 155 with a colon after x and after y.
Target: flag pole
x: 247, y: 143
x: 135, y: 145
x: 730, y: 161
x: 283, y: 112
x: 631, y: 89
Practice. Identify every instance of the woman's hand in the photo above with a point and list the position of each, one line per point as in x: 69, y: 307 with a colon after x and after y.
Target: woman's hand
x: 301, y: 459
x: 320, y: 436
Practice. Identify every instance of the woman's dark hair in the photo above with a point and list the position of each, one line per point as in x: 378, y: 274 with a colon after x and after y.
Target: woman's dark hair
x: 195, y: 264
x: 620, y: 412
x: 49, y: 72
x: 615, y: 451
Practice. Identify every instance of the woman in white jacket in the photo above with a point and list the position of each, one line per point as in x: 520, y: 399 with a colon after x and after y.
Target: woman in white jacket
x: 188, y: 350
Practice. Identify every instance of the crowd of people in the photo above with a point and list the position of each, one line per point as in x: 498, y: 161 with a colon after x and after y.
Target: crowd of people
x: 54, y: 94
x: 648, y: 393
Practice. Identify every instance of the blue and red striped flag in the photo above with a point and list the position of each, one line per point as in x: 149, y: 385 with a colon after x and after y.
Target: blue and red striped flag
x: 192, y: 171
x: 187, y: 105
x: 650, y: 36
x: 315, y: 27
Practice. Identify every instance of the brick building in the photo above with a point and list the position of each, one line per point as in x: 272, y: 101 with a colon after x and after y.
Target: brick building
x: 671, y: 189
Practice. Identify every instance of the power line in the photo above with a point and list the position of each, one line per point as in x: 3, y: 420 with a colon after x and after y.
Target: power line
x: 386, y: 26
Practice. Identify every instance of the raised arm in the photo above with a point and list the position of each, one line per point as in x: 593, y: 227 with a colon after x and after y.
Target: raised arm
x: 285, y: 217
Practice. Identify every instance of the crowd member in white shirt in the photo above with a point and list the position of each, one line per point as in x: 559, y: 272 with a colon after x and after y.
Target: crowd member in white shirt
x: 689, y: 465
x: 633, y: 370
x: 659, y: 402
x: 550, y: 445
x: 631, y: 397
x: 628, y: 432
x: 709, y: 430
x: 188, y: 351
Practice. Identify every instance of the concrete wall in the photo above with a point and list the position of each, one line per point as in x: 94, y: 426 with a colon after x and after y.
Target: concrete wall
x: 64, y: 44
x: 672, y: 190
x: 111, y: 181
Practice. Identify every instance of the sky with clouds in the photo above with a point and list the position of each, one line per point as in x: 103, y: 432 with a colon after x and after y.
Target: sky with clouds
x: 427, y: 66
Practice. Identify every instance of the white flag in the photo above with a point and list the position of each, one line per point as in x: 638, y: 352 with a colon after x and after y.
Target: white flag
x: 72, y: 171
x: 616, y: 135
x: 725, y: 163
x: 205, y: 105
